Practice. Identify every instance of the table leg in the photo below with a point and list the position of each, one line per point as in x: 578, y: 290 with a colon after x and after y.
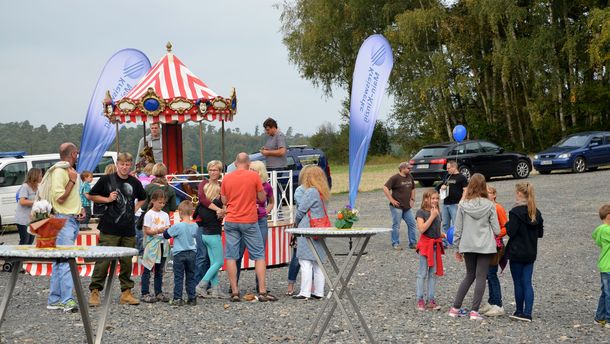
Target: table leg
x: 334, y: 294
x: 102, y: 321
x: 82, y: 304
x: 8, y: 293
x: 347, y: 291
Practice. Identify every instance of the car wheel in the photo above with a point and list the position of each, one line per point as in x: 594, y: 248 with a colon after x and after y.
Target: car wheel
x: 465, y: 171
x: 580, y: 165
x: 522, y: 170
x: 426, y: 182
x: 544, y: 172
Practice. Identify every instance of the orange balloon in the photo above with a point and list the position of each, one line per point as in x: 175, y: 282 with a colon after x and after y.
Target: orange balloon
x: 340, y: 216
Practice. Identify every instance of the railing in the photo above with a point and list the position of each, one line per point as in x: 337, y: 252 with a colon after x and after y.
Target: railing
x: 281, y: 183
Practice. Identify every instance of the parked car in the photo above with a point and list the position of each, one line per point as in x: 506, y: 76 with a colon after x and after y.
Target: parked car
x: 14, y: 167
x: 578, y: 152
x: 297, y: 157
x: 472, y: 156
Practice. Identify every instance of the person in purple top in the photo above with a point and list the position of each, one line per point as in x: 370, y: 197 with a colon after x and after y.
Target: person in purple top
x: 264, y: 207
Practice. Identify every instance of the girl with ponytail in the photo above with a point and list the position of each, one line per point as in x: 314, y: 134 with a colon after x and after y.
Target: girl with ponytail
x: 524, y: 227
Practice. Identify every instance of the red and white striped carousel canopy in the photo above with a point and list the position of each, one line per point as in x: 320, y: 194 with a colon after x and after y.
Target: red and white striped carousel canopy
x: 170, y: 78
x: 170, y: 92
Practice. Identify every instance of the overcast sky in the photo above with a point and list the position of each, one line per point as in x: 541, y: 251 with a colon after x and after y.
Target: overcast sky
x: 52, y: 52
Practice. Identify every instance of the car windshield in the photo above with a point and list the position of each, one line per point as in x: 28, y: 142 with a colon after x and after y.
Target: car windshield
x: 573, y: 141
x: 429, y: 152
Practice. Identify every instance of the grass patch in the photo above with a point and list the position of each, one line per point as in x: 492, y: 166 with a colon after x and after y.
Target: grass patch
x: 373, y: 176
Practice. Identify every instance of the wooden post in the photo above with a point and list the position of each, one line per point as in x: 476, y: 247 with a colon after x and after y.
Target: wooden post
x: 201, y: 143
x: 222, y: 141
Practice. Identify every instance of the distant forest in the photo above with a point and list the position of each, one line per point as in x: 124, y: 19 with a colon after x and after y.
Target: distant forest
x: 22, y: 136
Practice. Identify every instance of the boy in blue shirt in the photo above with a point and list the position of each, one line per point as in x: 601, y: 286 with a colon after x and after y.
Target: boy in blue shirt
x: 184, y: 254
x: 85, y: 187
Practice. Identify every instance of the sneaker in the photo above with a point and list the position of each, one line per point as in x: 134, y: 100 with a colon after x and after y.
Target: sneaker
x: 200, y: 290
x: 432, y: 305
x: 56, y: 305
x: 474, y: 315
x: 486, y: 307
x: 316, y: 297
x: 148, y: 298
x: 421, y: 306
x: 494, y: 311
x: 397, y: 247
x: 521, y: 317
x: 412, y: 246
x: 454, y: 312
x: 177, y: 302
x: 71, y: 306
x: 607, y: 326
x: 601, y: 323
x: 192, y: 302
x: 162, y: 297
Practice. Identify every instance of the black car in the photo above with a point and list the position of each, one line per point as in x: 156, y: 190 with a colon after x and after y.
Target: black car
x: 473, y: 156
x: 297, y: 157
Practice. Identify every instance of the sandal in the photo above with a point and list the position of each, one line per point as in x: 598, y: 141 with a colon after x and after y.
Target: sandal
x: 235, y: 298
x: 264, y: 297
x: 289, y: 293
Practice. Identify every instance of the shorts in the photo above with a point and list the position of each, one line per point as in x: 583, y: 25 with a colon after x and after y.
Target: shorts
x: 251, y: 236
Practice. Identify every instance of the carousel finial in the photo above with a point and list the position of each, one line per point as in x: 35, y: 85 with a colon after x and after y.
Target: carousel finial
x: 169, y: 47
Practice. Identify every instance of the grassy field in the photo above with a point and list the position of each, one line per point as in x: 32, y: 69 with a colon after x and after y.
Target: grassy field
x: 375, y: 173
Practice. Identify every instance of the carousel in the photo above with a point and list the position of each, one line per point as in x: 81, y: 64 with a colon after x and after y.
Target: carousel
x: 170, y: 94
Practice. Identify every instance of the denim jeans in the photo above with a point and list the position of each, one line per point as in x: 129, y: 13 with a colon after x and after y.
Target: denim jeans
x: 264, y: 228
x: 493, y: 283
x: 202, y: 260
x: 448, y: 212
x: 524, y: 291
x: 25, y: 238
x: 603, y: 307
x: 407, y: 216
x: 184, y: 264
x: 158, y: 283
x: 61, y: 279
x: 430, y: 272
x: 248, y: 233
x: 213, y: 244
x: 293, y: 269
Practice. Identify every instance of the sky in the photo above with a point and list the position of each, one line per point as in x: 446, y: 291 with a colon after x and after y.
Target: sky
x: 52, y: 52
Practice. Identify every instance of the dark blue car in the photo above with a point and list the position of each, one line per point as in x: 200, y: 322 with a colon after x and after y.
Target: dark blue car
x: 297, y: 157
x: 577, y: 152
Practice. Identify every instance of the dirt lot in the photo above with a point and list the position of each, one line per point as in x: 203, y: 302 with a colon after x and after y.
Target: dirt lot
x: 566, y: 283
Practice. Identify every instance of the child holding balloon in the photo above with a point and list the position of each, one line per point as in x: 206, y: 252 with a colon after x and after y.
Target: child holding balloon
x: 430, y: 249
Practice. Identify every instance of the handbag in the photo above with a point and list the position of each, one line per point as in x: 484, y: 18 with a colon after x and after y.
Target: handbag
x: 319, y: 222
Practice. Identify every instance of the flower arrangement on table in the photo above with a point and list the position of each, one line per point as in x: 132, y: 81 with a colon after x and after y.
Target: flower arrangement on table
x: 346, y: 217
x: 43, y: 225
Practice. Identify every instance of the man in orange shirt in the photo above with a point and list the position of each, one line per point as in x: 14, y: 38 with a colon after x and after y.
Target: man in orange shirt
x: 239, y: 191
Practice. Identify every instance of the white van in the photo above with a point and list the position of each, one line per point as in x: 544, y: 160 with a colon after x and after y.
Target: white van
x: 15, y: 165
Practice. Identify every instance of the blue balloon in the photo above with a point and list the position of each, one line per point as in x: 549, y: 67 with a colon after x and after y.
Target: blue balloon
x: 450, y: 235
x: 459, y: 133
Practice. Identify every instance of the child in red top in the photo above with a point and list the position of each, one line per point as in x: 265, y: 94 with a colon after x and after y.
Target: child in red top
x: 494, y: 306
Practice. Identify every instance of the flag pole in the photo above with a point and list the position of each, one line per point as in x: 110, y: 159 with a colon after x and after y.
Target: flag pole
x: 201, y: 143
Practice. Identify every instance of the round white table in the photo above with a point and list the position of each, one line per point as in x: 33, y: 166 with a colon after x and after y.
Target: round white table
x: 62, y: 254
x: 339, y: 286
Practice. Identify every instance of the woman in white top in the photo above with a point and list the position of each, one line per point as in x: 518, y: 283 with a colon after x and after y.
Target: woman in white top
x: 25, y: 196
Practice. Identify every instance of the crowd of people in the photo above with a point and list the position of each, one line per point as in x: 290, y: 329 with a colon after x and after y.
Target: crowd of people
x: 459, y: 214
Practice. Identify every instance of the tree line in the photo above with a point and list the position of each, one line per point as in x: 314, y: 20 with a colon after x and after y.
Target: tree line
x: 23, y: 136
x: 522, y: 73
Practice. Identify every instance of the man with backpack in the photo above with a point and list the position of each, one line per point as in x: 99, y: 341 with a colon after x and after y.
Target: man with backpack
x: 60, y: 187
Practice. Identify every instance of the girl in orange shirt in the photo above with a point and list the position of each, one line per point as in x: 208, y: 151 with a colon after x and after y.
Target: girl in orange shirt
x: 494, y: 306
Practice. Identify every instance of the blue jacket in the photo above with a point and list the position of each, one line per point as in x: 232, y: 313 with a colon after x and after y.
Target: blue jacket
x: 310, y: 201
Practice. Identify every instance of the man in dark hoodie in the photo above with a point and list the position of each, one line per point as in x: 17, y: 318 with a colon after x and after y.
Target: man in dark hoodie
x: 524, y: 227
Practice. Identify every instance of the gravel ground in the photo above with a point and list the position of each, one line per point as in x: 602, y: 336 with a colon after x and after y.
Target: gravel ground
x: 566, y: 283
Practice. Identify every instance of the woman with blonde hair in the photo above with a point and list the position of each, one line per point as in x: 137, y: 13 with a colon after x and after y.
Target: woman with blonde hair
x: 202, y: 261
x: 524, y: 228
x: 25, y: 197
x: 476, y: 225
x: 311, y: 212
